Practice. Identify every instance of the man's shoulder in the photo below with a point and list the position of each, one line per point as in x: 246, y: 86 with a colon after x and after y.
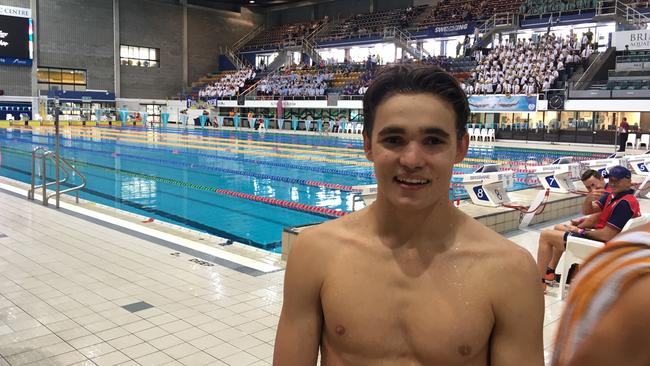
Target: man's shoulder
x: 324, y: 238
x: 496, y: 249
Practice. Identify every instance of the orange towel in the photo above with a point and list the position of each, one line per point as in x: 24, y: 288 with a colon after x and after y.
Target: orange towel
x: 602, y: 278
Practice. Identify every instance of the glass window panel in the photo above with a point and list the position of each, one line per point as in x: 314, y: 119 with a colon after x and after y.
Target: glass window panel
x: 153, y: 63
x: 42, y: 75
x: 67, y: 76
x: 124, y: 51
x: 152, y: 54
x: 143, y: 53
x: 55, y: 76
x: 133, y: 52
x: 80, y: 77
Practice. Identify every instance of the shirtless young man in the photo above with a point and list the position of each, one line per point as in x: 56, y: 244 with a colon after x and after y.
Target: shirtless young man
x: 410, y: 280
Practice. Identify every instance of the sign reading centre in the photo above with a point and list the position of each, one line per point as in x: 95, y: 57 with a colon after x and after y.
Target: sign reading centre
x: 635, y: 40
x: 16, y: 36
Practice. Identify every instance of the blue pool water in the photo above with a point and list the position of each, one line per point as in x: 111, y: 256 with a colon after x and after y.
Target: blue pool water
x: 172, y: 176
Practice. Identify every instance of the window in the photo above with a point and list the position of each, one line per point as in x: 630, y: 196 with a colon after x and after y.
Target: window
x: 61, y: 78
x: 154, y: 112
x: 139, y: 56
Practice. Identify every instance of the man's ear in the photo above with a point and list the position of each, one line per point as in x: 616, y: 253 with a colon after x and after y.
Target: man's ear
x: 366, y: 146
x: 461, y: 148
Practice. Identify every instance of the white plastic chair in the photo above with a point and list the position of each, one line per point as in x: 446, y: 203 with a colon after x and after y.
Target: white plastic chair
x: 578, y: 249
x: 10, y: 117
x: 470, y: 131
x: 645, y: 140
x: 631, y: 140
x: 491, y: 134
x: 484, y: 134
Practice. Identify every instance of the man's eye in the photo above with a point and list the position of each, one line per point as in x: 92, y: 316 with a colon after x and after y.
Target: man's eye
x: 432, y: 141
x: 392, y: 140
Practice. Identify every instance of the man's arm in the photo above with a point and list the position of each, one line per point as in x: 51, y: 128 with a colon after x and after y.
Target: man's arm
x: 621, y: 336
x: 605, y: 234
x: 517, y: 337
x: 594, y: 202
x: 300, y: 326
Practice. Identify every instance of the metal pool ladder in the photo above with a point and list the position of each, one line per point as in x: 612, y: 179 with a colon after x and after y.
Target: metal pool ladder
x: 44, y: 154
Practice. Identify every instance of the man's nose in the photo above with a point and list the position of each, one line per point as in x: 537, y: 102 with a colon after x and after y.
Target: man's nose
x: 412, y: 156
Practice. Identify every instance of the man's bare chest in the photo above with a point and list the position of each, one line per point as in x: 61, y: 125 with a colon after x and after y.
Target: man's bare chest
x: 437, y: 315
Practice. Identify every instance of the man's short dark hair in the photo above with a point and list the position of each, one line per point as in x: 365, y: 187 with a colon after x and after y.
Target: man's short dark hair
x: 590, y: 173
x: 414, y: 79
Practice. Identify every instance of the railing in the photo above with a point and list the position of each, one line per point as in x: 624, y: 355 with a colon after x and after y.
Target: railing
x: 233, y: 56
x: 246, y: 38
x: 312, y: 36
x: 619, y: 8
x: 44, y: 154
x: 404, y: 39
x: 310, y: 48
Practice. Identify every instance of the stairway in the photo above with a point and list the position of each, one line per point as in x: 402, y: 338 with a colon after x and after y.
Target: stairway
x: 232, y: 52
x: 404, y: 40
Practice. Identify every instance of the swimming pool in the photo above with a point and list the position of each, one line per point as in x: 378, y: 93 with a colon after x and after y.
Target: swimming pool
x: 238, y: 185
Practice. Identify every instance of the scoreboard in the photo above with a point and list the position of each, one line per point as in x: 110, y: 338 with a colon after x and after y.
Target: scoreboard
x: 16, y: 36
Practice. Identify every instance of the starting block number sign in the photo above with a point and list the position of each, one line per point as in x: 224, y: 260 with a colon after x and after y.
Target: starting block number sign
x: 642, y: 167
x: 552, y: 182
x: 481, y: 194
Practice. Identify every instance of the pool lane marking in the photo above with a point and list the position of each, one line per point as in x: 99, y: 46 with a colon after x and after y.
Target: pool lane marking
x: 296, y: 206
x: 84, y: 131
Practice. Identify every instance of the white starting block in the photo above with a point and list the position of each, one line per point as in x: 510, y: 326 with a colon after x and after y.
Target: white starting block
x: 487, y: 185
x: 602, y: 166
x: 559, y: 175
x: 639, y: 163
x: 366, y: 194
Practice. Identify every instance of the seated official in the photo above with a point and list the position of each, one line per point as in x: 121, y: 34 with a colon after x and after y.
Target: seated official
x: 616, y: 209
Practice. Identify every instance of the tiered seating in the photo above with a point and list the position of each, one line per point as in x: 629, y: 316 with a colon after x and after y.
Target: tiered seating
x: 538, y: 7
x: 449, y: 12
x: 229, y: 85
x: 286, y: 35
x: 296, y: 82
x: 525, y: 67
x: 635, y: 84
x: 362, y: 25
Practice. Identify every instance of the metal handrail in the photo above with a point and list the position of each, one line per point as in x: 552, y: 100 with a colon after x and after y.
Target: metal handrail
x: 71, y: 189
x: 67, y: 168
x: 247, y: 37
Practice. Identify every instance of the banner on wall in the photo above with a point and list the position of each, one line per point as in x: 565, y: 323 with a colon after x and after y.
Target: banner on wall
x: 452, y: 30
x: 503, y: 103
x: 635, y: 40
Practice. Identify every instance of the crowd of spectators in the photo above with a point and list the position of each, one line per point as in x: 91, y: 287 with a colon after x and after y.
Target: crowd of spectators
x: 527, y: 66
x: 228, y: 86
x: 537, y: 7
x: 285, y: 35
x: 296, y: 81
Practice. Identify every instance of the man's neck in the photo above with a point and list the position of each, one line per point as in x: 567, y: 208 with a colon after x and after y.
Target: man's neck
x: 408, y: 227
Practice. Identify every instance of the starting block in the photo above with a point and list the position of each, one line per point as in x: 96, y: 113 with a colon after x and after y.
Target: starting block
x: 639, y: 163
x: 487, y: 186
x: 559, y: 175
x: 602, y: 166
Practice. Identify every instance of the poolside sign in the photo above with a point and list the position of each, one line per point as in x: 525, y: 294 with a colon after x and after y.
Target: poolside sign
x: 634, y: 39
x: 503, y: 103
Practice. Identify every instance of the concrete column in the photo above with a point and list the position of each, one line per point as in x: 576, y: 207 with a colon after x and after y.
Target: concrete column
x: 116, y: 49
x: 185, y: 48
x: 33, y: 4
